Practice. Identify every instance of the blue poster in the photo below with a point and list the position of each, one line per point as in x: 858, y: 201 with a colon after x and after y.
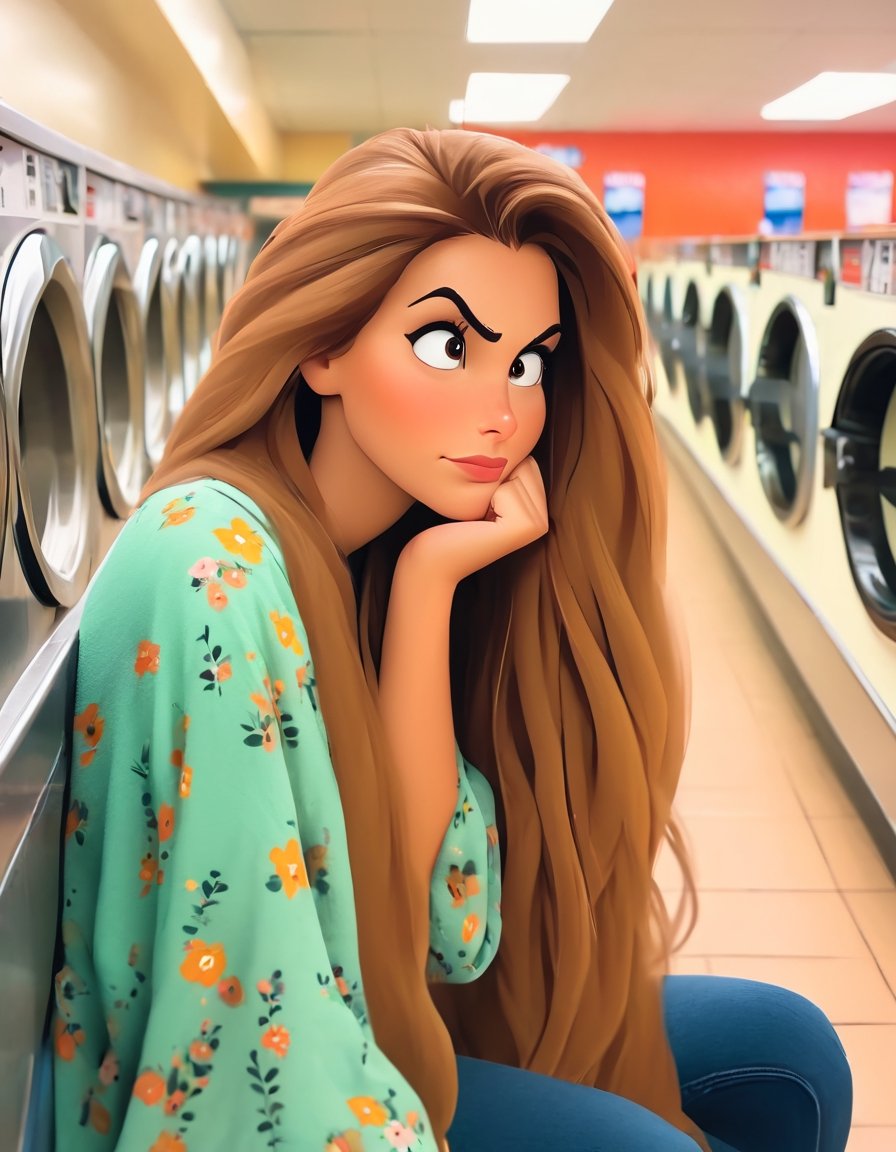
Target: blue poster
x: 624, y: 202
x: 784, y: 202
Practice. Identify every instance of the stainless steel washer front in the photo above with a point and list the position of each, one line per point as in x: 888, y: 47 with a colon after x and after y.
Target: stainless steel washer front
x: 51, y: 417
x: 191, y: 311
x: 116, y: 340
x: 783, y: 403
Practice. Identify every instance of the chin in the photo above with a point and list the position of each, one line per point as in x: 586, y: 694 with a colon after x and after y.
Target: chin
x: 475, y: 507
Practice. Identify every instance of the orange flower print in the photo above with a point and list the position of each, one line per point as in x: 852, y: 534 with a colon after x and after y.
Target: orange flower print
x: 266, y: 702
x: 149, y: 1087
x: 231, y: 991
x: 277, y: 1039
x: 235, y: 577
x: 201, y: 1052
x: 166, y: 822
x: 368, y: 1110
x: 180, y: 516
x: 223, y: 671
x: 175, y: 1102
x: 240, y: 540
x: 286, y: 633
x: 67, y: 1039
x: 90, y: 725
x: 470, y: 928
x: 169, y: 1141
x: 204, y: 963
x: 290, y: 867
x: 75, y: 821
x: 217, y: 597
x: 186, y: 773
x: 351, y: 1141
x: 109, y: 1068
x: 100, y: 1119
x: 147, y: 658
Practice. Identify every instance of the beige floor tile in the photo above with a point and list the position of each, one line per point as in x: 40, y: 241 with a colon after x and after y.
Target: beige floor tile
x: 872, y: 1140
x: 766, y: 853
x: 849, y: 990
x: 809, y: 770
x: 851, y: 854
x: 717, y: 759
x: 875, y: 914
x: 772, y: 796
x: 871, y: 1050
x: 774, y: 924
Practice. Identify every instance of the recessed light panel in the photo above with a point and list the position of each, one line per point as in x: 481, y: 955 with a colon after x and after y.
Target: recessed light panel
x: 834, y: 96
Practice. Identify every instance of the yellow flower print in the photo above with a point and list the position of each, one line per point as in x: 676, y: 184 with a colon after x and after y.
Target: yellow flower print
x: 368, y: 1110
x: 240, y: 540
x: 290, y: 867
x: 286, y: 633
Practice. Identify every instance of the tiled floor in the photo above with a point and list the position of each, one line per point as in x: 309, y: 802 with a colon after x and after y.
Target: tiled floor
x: 792, y: 889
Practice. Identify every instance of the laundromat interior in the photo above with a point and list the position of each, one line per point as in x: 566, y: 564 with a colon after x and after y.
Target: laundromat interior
x: 148, y: 148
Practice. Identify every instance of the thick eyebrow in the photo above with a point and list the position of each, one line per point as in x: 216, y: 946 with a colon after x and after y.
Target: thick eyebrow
x: 464, y: 308
x: 542, y: 336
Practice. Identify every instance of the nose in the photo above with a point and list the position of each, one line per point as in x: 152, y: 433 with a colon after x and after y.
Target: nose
x: 497, y: 417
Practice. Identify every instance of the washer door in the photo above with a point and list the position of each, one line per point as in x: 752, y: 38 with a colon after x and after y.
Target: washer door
x: 175, y: 356
x: 860, y: 463
x: 725, y: 370
x: 159, y: 323
x: 116, y: 339
x: 691, y: 353
x: 51, y: 417
x: 191, y: 306
x: 783, y: 403
x: 667, y: 336
x: 212, y: 297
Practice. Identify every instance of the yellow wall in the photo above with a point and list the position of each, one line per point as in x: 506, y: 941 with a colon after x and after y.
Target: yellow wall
x: 307, y: 154
x: 112, y: 75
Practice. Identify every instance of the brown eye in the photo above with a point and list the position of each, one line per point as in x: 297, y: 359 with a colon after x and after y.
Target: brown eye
x: 439, y: 346
x: 527, y: 370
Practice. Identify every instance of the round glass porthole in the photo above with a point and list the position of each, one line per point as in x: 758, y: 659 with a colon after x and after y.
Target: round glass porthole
x: 860, y: 464
x: 667, y: 335
x: 725, y: 370
x: 783, y: 403
x: 690, y: 345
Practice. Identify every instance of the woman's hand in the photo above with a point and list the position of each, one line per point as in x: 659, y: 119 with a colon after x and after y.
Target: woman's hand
x: 517, y: 516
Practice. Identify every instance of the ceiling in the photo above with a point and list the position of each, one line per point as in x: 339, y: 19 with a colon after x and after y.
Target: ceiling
x: 697, y: 65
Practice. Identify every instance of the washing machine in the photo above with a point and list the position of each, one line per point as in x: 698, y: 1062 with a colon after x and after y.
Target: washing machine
x: 113, y: 241
x: 50, y: 515
x: 189, y: 271
x: 51, y: 511
x: 156, y: 286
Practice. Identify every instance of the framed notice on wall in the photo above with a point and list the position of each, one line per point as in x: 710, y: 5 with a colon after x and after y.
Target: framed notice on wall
x: 869, y: 198
x: 783, y: 203
x: 624, y: 202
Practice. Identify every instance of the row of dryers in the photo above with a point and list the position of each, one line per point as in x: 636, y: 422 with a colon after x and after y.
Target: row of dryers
x: 776, y: 362
x: 112, y: 288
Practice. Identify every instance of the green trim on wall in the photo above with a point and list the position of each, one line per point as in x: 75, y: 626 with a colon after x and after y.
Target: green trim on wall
x: 244, y: 189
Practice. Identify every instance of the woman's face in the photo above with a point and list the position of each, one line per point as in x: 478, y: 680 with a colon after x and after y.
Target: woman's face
x: 442, y: 389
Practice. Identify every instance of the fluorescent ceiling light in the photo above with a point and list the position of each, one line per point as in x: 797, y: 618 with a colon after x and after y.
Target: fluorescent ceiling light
x: 834, y: 96
x: 456, y: 111
x: 534, y: 21
x: 511, y: 97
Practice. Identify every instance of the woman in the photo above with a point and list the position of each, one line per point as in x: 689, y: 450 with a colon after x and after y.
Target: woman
x: 433, y: 381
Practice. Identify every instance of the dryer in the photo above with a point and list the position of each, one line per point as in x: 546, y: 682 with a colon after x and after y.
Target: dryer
x: 50, y: 539
x: 117, y: 344
x: 156, y: 287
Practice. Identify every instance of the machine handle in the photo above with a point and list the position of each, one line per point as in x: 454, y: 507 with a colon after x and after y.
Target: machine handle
x: 852, y: 459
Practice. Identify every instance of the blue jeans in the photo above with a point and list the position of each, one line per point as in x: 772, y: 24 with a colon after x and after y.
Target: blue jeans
x: 761, y: 1070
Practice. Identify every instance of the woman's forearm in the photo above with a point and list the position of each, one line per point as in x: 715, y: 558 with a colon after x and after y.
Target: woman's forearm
x: 415, y: 704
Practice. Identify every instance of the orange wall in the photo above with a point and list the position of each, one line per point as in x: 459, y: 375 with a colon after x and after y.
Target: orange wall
x: 711, y: 183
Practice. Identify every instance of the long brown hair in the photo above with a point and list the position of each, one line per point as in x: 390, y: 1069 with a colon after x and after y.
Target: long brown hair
x: 568, y: 681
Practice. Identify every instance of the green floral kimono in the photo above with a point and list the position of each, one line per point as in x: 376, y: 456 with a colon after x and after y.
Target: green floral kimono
x: 210, y: 996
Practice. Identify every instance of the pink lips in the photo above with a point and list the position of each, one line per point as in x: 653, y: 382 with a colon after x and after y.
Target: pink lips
x: 483, y: 469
